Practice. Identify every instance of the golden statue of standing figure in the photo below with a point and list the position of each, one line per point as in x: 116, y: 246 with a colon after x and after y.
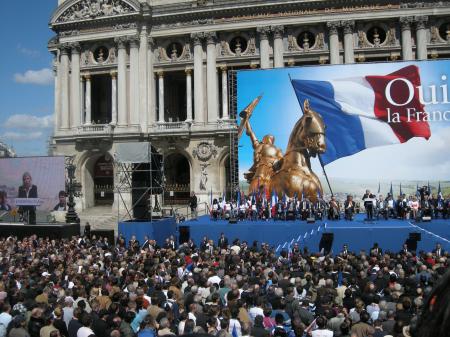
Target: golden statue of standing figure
x: 291, y: 173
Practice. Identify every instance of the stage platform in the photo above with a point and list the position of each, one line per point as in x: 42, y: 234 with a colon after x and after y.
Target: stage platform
x: 50, y: 230
x: 359, y: 234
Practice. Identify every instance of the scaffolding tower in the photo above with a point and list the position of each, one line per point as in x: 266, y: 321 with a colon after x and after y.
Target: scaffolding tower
x: 234, y: 156
x: 139, y: 174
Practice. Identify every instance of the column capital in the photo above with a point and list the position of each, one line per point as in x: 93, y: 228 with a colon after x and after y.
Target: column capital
x: 64, y: 48
x: 134, y: 41
x: 113, y: 74
x: 197, y: 38
x: 333, y: 27
x: 421, y: 21
x: 405, y: 22
x: 188, y: 71
x: 210, y: 37
x: 75, y: 47
x: 87, y: 76
x: 121, y: 42
x: 263, y: 32
x: 151, y: 42
x: 278, y: 31
x: 348, y: 26
x: 223, y: 67
x: 160, y: 73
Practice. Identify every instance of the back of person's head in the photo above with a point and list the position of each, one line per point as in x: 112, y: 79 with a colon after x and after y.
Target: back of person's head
x: 189, y: 326
x: 86, y: 319
x: 279, y: 319
x: 321, y: 322
x: 259, y: 321
x: 129, y: 317
x: 364, y: 316
x: 77, y: 313
x: 345, y: 328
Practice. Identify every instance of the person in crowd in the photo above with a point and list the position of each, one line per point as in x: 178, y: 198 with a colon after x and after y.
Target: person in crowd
x: 4, y: 206
x: 62, y: 204
x: 28, y: 190
x: 193, y: 201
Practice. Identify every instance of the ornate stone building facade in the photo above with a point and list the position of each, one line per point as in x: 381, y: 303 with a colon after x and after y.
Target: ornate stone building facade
x: 159, y: 71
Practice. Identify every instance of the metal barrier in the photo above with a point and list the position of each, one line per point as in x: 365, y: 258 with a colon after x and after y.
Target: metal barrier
x: 202, y: 209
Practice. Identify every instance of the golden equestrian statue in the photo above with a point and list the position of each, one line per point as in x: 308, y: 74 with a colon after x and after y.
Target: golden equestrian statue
x: 290, y: 174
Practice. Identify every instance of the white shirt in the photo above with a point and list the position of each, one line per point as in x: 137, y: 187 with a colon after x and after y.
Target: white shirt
x: 214, y: 279
x: 84, y: 332
x: 320, y: 333
x: 5, y: 318
x: 255, y: 311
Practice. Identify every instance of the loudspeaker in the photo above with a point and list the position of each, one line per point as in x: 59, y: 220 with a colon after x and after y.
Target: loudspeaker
x: 310, y: 220
x: 108, y: 233
x: 326, y: 242
x: 232, y: 220
x: 426, y: 218
x: 415, y: 236
x: 185, y: 234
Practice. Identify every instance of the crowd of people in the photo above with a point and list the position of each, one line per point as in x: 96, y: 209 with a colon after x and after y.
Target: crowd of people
x: 261, y: 207
x: 87, y: 286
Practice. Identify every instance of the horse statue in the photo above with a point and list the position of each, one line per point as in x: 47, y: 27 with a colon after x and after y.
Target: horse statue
x: 295, y: 176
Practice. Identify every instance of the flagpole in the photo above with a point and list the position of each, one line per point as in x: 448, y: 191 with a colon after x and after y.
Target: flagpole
x: 325, y: 174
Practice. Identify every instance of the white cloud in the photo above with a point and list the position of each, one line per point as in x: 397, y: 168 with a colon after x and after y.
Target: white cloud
x: 40, y: 77
x: 22, y: 136
x: 28, y: 52
x: 29, y: 122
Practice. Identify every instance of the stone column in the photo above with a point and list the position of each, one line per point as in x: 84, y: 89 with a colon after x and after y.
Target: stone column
x: 349, y: 55
x: 56, y: 71
x: 83, y: 100
x: 406, y: 37
x: 143, y: 83
x: 278, y: 46
x: 334, y: 42
x: 198, y: 77
x: 188, y: 94
x: 122, y: 118
x: 75, y: 110
x: 64, y: 87
x: 113, y: 97
x: 224, y: 92
x: 264, y: 46
x: 161, y: 96
x: 88, y: 102
x: 211, y: 77
x: 151, y: 84
x: 421, y: 37
x: 134, y: 81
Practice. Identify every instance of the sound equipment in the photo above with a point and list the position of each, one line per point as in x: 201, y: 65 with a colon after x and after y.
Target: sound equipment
x: 184, y: 234
x: 326, y: 242
x: 415, y: 236
x: 109, y: 233
x: 426, y: 218
x: 310, y: 220
x: 232, y: 220
x: 411, y: 241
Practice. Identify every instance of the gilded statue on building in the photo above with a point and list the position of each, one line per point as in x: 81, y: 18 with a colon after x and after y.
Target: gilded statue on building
x: 291, y: 173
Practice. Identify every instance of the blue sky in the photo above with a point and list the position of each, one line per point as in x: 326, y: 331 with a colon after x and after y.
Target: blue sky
x: 278, y: 111
x: 26, y: 82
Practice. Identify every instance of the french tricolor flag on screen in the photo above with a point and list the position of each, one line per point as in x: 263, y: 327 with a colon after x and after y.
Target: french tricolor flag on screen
x: 355, y: 111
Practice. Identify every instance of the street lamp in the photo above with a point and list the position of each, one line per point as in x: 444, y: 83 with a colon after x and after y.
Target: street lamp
x: 73, y: 189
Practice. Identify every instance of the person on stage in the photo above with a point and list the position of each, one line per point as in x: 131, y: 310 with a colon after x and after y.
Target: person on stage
x: 381, y: 208
x: 368, y: 199
x: 28, y: 190
x: 305, y: 209
x: 349, y: 207
x: 62, y: 204
x: 193, y: 205
x: 426, y: 207
x: 414, y: 207
x: 334, y: 209
x: 4, y: 206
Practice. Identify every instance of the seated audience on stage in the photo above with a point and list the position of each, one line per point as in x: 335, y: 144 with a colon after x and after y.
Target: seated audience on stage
x: 88, y: 287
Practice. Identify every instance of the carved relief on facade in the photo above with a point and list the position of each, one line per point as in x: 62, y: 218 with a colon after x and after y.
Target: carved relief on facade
x: 205, y: 151
x: 237, y: 44
x: 93, y: 9
x: 96, y: 55
x: 305, y: 39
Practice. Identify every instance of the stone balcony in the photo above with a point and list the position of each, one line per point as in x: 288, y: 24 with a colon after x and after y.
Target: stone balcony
x: 95, y: 130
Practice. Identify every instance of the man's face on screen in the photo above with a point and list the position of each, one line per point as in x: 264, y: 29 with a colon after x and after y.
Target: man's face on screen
x: 27, y: 181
